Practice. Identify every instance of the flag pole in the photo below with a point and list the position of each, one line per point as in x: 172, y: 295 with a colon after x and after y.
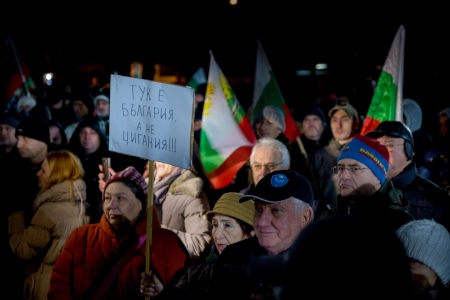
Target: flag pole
x: 9, y: 39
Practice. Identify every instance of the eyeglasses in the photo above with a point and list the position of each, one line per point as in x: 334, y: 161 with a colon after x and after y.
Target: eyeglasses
x: 352, y: 170
x: 270, y: 166
x: 390, y: 146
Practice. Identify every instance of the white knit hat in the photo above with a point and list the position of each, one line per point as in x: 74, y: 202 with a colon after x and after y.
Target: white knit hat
x: 428, y: 242
x: 275, y: 115
x: 26, y: 100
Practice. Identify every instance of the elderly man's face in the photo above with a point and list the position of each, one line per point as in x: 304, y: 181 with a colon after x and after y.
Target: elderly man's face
x: 397, y: 155
x: 102, y: 108
x: 277, y: 225
x: 312, y: 127
x: 356, y: 179
x: 266, y: 160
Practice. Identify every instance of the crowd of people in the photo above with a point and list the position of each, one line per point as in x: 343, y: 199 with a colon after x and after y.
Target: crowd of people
x: 320, y: 217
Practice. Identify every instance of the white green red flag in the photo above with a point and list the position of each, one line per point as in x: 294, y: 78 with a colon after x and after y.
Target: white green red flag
x: 15, y: 72
x: 197, y: 79
x: 386, y: 104
x: 267, y: 92
x: 227, y: 137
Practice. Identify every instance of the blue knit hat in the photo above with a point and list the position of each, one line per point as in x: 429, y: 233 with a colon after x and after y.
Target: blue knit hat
x: 369, y: 152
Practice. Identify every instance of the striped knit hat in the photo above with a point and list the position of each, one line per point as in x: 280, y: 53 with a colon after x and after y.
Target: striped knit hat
x: 369, y: 152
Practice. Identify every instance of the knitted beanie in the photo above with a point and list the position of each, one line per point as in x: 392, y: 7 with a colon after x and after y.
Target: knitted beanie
x: 229, y: 205
x: 9, y: 120
x: 369, y: 152
x: 104, y: 94
x: 273, y: 114
x: 313, y: 110
x: 131, y: 175
x: 34, y: 126
x: 428, y: 242
x: 26, y: 100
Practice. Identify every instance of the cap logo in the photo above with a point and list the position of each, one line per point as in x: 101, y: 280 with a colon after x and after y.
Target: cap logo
x: 279, y: 180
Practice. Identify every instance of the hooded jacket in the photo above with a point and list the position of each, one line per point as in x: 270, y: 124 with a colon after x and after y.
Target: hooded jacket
x: 182, y: 207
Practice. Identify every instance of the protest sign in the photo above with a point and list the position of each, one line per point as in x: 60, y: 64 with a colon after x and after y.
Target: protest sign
x: 151, y: 120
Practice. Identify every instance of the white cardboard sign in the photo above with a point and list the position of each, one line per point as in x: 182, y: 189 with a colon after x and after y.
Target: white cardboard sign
x: 151, y: 120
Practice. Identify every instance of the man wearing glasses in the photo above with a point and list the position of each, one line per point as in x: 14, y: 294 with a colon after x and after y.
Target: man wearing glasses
x: 283, y: 210
x: 426, y: 200
x: 268, y: 155
x: 364, y: 190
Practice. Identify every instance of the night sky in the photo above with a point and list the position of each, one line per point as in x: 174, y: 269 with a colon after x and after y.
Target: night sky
x: 352, y: 40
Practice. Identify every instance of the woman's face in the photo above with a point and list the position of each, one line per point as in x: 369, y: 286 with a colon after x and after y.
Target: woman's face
x: 163, y: 170
x: 120, y: 205
x: 43, y: 174
x: 226, y: 231
x: 267, y: 128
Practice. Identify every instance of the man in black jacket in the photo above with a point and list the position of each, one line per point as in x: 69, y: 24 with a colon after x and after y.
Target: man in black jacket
x: 282, y: 210
x: 426, y: 200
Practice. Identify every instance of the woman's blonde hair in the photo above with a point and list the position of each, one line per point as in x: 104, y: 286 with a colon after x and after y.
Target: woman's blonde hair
x: 64, y: 165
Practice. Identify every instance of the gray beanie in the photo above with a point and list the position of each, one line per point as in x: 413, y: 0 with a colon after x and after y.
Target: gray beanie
x: 275, y: 115
x: 428, y: 242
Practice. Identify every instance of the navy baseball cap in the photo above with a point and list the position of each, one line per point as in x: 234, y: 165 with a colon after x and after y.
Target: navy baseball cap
x: 281, y: 185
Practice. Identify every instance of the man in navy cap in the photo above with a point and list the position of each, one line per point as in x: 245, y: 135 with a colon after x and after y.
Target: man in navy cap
x: 282, y: 210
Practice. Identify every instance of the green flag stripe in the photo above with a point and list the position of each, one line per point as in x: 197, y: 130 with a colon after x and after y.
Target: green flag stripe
x: 383, y: 105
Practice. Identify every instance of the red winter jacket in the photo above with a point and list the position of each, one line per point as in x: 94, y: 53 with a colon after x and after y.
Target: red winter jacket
x: 91, y: 251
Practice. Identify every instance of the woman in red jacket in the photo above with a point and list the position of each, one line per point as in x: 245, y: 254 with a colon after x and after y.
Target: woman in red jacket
x: 93, y: 250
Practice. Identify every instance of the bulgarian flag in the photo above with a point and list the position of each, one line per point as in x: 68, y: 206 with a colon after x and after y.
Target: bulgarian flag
x: 386, y: 102
x: 197, y: 79
x: 267, y: 92
x: 227, y: 137
x: 15, y: 72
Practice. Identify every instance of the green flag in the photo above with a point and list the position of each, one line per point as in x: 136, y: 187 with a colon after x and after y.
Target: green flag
x: 267, y: 92
x: 386, y: 102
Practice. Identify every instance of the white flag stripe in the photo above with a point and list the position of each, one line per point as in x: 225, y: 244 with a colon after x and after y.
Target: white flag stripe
x: 262, y: 73
x: 218, y: 121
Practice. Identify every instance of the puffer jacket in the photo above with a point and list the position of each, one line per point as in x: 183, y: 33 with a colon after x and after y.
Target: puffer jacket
x: 40, y: 244
x: 182, y: 206
x: 92, y: 251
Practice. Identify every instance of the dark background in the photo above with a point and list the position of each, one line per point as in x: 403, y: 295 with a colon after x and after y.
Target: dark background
x: 77, y: 41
